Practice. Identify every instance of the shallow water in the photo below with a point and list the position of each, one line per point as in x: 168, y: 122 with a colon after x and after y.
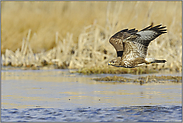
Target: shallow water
x: 58, y: 95
x: 109, y: 114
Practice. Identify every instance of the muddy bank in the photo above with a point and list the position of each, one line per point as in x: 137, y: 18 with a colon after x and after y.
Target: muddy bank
x: 142, y: 80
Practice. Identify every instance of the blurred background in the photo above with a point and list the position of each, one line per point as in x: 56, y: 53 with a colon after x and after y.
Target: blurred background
x: 77, y: 32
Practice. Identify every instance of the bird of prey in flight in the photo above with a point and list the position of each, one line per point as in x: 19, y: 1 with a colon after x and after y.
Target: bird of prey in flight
x: 131, y: 46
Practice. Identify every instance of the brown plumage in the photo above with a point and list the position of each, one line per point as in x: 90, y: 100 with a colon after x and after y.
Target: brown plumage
x: 131, y: 46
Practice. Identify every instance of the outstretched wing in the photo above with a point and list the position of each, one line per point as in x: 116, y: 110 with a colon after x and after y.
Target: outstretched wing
x: 142, y: 38
x: 117, y: 40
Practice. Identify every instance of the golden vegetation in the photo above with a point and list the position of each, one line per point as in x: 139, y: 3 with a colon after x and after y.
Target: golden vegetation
x: 75, y: 34
x: 116, y: 70
x: 142, y: 80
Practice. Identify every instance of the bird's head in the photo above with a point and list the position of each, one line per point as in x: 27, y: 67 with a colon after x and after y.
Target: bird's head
x: 114, y: 62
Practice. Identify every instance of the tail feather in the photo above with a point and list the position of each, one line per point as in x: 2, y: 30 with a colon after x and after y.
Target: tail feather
x: 158, y: 61
x: 152, y: 60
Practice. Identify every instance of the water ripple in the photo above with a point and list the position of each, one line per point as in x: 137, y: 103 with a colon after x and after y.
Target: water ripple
x: 109, y: 114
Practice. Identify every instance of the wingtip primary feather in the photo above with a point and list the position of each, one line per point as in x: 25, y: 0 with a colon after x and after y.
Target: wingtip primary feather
x: 148, y: 27
x: 159, y: 29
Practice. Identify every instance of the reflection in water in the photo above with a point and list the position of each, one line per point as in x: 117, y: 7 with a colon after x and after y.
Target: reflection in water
x: 60, y: 89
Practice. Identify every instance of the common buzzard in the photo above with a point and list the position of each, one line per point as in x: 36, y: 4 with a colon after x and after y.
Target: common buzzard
x: 131, y: 46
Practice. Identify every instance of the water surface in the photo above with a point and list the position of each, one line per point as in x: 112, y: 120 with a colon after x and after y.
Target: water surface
x: 33, y: 91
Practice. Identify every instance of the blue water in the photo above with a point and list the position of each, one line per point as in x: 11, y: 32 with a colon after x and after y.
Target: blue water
x: 89, y: 114
x: 61, y: 96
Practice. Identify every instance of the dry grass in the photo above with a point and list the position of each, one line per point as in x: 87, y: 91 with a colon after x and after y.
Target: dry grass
x: 75, y: 34
x: 116, y: 70
x: 142, y: 80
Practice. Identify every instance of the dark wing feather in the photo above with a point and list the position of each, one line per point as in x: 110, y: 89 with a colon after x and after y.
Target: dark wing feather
x: 142, y: 38
x: 117, y: 40
x: 147, y: 27
x: 146, y: 36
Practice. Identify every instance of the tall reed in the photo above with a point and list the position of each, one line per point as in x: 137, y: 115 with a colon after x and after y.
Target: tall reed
x: 48, y: 41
